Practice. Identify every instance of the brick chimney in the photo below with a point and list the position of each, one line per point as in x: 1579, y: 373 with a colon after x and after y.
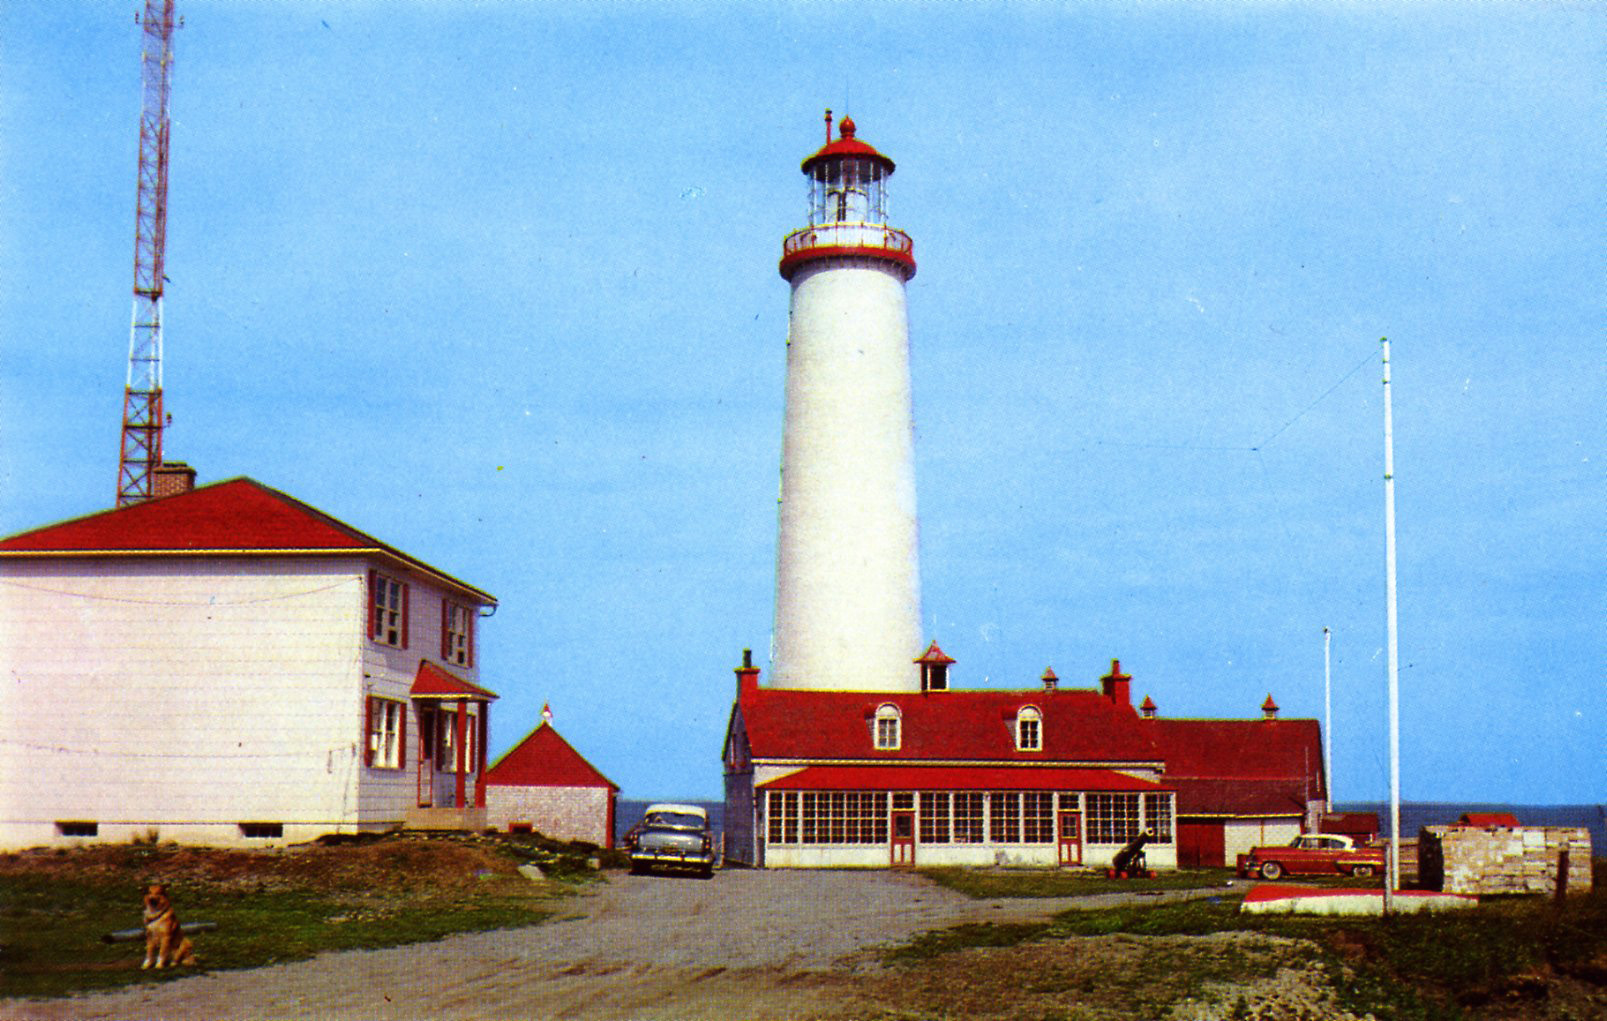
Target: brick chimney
x: 1050, y: 681
x: 1116, y: 685
x: 747, y: 676
x: 171, y: 478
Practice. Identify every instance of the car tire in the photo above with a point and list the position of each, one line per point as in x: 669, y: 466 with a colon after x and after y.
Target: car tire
x: 1362, y: 872
x: 1271, y: 870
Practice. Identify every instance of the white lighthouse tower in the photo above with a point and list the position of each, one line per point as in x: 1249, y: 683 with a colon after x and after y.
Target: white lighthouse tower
x: 848, y: 613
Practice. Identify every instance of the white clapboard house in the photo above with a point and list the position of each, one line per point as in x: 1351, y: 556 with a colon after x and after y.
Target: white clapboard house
x: 230, y: 666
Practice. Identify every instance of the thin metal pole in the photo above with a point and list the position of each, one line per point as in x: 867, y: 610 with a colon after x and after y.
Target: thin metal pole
x: 1327, y: 720
x: 1394, y: 878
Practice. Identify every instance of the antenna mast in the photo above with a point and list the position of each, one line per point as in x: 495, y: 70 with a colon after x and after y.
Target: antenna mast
x: 141, y: 451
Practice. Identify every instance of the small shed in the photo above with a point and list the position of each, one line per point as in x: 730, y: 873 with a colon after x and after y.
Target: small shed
x: 542, y: 784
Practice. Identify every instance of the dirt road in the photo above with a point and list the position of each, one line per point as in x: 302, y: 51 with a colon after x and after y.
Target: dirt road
x: 744, y: 945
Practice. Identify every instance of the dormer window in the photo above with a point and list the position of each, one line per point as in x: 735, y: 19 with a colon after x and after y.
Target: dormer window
x: 887, y: 728
x: 1029, y: 729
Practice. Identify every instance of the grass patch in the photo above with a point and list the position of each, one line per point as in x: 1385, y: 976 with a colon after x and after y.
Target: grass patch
x: 1429, y: 967
x: 986, y: 884
x: 270, y: 906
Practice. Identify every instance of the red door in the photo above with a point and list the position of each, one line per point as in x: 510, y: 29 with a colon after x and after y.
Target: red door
x: 903, y: 839
x: 1201, y: 844
x: 426, y: 757
x: 1071, y: 838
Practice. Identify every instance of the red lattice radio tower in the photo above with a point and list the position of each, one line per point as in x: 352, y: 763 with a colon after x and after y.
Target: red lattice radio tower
x: 143, y: 418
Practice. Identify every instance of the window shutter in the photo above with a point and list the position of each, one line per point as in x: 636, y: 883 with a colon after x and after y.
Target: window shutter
x: 406, y: 591
x: 401, y: 736
x: 373, y: 616
x: 469, y: 615
x: 446, y: 623
x: 368, y: 730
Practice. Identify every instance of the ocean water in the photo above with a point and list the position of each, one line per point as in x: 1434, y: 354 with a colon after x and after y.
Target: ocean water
x: 1414, y: 815
x: 1417, y: 814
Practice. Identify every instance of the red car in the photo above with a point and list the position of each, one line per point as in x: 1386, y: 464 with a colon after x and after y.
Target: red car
x: 1313, y: 854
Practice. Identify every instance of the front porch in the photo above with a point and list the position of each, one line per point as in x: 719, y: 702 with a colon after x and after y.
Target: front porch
x: 441, y: 817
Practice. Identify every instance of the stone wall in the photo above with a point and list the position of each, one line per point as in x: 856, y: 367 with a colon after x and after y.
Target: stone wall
x: 1502, y: 860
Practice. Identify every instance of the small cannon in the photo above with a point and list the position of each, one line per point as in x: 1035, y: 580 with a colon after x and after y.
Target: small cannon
x: 1129, y: 862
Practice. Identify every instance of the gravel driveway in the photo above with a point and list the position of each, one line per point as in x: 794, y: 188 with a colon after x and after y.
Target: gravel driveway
x: 746, y: 944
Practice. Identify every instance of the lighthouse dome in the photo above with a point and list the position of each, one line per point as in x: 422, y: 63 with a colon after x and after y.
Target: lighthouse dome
x: 846, y: 145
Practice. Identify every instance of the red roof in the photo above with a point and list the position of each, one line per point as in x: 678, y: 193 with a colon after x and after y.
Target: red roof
x: 1078, y: 726
x: 1241, y: 767
x: 961, y: 778
x: 432, y: 681
x: 237, y: 517
x: 543, y: 759
x: 1485, y: 820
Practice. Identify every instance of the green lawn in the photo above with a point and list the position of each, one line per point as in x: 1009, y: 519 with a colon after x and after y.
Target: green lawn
x: 268, y: 907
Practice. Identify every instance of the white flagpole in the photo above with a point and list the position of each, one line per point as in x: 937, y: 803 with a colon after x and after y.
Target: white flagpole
x: 1392, y: 881
x: 1327, y: 721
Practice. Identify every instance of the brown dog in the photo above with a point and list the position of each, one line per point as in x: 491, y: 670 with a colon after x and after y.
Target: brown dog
x: 165, y: 942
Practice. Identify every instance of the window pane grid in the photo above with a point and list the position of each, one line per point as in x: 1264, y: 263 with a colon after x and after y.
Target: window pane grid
x: 1112, y: 818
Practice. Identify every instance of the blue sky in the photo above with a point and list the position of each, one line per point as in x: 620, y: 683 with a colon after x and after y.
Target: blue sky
x: 496, y: 282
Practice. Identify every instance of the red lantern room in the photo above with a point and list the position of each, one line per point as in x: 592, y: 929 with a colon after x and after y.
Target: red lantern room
x: 847, y: 207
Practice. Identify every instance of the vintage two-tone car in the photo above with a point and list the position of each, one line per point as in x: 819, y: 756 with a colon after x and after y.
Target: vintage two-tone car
x: 672, y: 836
x: 1313, y: 854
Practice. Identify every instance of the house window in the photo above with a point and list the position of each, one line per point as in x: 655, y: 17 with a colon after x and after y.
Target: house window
x: 1004, y: 817
x: 387, y: 622
x: 262, y: 829
x: 1029, y: 729
x: 1112, y: 818
x: 386, y: 720
x: 968, y: 817
x: 783, y: 817
x: 1158, y: 816
x: 77, y: 828
x: 934, y: 817
x: 828, y: 817
x: 887, y: 729
x: 1038, y: 817
x: 457, y: 634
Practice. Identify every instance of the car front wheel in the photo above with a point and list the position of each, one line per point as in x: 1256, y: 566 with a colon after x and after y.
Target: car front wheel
x: 1271, y: 870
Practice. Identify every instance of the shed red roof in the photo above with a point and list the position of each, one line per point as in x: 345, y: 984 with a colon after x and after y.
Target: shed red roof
x: 432, y: 681
x: 1485, y: 820
x: 234, y: 518
x: 958, y: 778
x: 543, y: 759
x: 1077, y: 726
x: 1241, y: 767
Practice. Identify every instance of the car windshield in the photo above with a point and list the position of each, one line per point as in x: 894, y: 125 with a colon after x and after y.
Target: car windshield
x: 680, y: 820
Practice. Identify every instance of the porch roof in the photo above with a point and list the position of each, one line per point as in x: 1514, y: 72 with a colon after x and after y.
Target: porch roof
x: 958, y: 778
x: 432, y: 681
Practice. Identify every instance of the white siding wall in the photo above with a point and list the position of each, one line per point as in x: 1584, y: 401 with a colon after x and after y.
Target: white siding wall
x: 562, y: 813
x: 1240, y: 835
x: 181, y: 695
x: 385, y: 795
